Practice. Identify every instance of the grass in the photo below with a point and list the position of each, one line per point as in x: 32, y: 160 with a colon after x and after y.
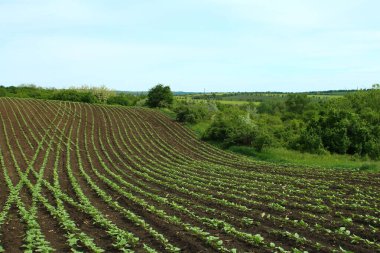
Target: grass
x: 285, y: 156
x: 199, y: 128
x: 293, y: 157
x: 168, y: 113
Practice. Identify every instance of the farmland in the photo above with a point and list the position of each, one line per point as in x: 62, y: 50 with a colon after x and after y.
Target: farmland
x: 96, y: 178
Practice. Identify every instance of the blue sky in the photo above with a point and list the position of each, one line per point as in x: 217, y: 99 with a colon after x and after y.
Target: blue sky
x: 217, y: 45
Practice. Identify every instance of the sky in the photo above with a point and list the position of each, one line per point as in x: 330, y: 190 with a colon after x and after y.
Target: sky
x: 191, y: 45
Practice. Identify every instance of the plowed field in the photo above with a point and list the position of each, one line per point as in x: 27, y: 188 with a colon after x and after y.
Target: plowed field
x: 92, y: 178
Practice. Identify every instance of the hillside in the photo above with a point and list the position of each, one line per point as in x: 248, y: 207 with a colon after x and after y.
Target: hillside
x: 97, y: 178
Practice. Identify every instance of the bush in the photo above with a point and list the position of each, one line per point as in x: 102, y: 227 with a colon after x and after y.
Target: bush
x: 192, y: 112
x: 271, y: 107
x: 75, y: 96
x: 296, y: 103
x: 122, y: 99
x: 261, y: 140
x: 235, y: 127
x: 310, y: 141
x: 3, y: 92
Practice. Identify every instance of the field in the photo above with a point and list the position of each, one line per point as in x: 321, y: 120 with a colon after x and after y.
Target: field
x: 227, y: 102
x: 94, y: 178
x: 241, y: 98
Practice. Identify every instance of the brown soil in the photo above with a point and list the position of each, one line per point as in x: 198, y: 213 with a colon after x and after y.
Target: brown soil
x: 158, y: 156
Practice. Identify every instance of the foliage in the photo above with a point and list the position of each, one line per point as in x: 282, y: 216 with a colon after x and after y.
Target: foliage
x: 194, y: 112
x: 74, y: 95
x: 348, y: 124
x: 271, y: 107
x: 160, y: 96
x: 234, y: 126
x: 84, y: 94
x: 296, y: 103
x: 309, y: 141
x: 102, y: 93
x: 123, y: 99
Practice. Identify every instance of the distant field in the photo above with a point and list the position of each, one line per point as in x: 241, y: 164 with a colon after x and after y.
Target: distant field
x: 78, y: 177
x: 257, y: 97
x: 285, y: 156
x: 229, y: 102
x: 325, y: 96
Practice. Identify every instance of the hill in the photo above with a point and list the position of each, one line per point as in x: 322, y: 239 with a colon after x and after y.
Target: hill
x: 98, y: 178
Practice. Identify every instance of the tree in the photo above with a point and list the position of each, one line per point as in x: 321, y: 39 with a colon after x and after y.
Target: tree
x: 102, y: 93
x: 310, y: 141
x: 296, y: 103
x: 160, y: 96
x: 3, y: 91
x: 123, y: 99
x: 236, y: 127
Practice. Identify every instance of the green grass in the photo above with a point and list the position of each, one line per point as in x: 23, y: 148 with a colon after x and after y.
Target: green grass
x: 236, y: 102
x: 168, y: 113
x: 199, y: 128
x: 285, y: 156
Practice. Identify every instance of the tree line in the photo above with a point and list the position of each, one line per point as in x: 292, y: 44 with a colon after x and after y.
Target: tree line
x: 85, y: 94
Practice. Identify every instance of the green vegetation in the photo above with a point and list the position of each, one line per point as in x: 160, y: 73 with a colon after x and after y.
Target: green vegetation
x: 348, y: 124
x: 85, y: 94
x: 244, y: 97
x: 235, y: 126
x: 194, y: 112
x: 222, y: 101
x: 160, y: 96
x: 80, y: 177
x: 293, y: 157
x: 123, y: 99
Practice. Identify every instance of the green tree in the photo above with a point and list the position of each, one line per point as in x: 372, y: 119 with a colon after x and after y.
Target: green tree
x: 310, y: 141
x: 236, y: 127
x: 3, y: 92
x: 296, y: 103
x: 160, y: 96
x: 191, y: 113
x: 271, y: 107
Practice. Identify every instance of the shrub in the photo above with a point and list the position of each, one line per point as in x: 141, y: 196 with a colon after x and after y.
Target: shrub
x: 192, y: 112
x: 75, y: 96
x: 310, y: 141
x: 122, y: 99
x: 236, y: 127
